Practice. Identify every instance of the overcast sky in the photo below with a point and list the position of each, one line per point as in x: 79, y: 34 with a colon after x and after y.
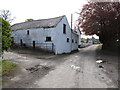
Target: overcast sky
x: 42, y: 9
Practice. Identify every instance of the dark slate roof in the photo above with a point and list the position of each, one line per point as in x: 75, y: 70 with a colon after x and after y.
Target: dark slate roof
x: 42, y: 23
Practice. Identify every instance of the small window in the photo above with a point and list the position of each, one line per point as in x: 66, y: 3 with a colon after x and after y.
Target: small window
x: 48, y: 39
x: 67, y: 39
x: 64, y: 28
x: 27, y: 32
x: 72, y: 41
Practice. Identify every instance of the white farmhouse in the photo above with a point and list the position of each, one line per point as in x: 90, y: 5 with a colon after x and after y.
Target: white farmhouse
x: 52, y: 34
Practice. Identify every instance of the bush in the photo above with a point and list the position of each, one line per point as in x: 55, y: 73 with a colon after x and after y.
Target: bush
x: 6, y: 33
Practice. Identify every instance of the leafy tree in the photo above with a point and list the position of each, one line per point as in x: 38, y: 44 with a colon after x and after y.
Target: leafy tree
x: 102, y: 19
x: 27, y: 20
x: 6, y: 15
x: 6, y: 40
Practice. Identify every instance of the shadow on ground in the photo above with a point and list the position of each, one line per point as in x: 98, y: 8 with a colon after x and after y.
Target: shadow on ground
x: 110, y: 64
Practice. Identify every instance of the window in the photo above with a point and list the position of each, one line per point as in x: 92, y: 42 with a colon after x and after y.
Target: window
x: 67, y: 39
x: 27, y: 32
x: 64, y: 28
x: 72, y: 41
x: 48, y: 39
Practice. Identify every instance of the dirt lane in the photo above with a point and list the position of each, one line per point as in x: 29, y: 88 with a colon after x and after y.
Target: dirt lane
x: 32, y: 66
x: 66, y: 76
x: 77, y: 70
x: 90, y: 77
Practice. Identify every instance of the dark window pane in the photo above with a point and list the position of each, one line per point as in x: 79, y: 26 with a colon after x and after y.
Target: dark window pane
x: 72, y: 41
x: 27, y: 32
x: 48, y: 38
x: 67, y: 39
x: 64, y: 28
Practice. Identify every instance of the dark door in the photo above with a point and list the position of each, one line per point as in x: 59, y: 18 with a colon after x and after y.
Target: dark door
x: 21, y: 42
x: 33, y: 44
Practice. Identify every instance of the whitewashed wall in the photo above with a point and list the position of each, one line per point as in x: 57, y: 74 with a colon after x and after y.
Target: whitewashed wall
x: 75, y: 42
x: 38, y: 35
x: 79, y: 35
x: 62, y: 46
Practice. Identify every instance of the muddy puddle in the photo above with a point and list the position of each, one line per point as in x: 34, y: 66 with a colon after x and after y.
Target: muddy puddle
x: 39, y: 67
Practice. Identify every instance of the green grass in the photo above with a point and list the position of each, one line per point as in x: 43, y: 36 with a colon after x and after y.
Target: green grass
x: 6, y: 67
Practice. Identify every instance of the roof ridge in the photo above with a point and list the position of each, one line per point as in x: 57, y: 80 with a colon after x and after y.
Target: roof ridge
x: 39, y: 20
x: 40, y: 23
x: 51, y: 18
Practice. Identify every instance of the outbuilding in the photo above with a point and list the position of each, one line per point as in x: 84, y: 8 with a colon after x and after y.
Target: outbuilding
x: 52, y: 34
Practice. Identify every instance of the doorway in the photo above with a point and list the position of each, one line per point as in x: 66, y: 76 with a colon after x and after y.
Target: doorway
x: 33, y: 44
x: 21, y: 42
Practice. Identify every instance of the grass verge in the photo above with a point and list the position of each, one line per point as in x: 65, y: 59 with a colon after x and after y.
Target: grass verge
x: 6, y: 68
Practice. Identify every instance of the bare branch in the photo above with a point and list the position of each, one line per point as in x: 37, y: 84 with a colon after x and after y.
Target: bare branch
x: 6, y: 14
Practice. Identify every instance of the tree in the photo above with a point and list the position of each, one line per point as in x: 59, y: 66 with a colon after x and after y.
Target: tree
x: 27, y: 20
x: 6, y: 15
x: 6, y: 40
x: 102, y: 19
